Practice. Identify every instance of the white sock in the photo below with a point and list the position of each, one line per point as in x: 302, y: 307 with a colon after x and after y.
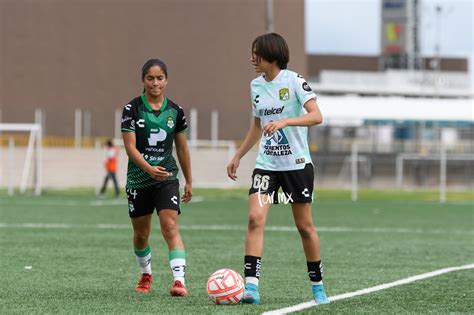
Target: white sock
x: 316, y: 282
x: 252, y: 280
x: 144, y: 259
x: 178, y: 267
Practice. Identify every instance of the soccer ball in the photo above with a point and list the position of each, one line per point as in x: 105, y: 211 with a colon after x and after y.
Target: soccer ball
x: 225, y: 286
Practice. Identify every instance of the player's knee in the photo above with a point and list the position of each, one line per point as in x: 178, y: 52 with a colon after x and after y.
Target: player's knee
x: 256, y: 221
x: 169, y: 230
x: 140, y: 237
x: 306, y: 231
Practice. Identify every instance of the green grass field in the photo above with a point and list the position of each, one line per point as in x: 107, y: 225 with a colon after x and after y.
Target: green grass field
x: 68, y: 252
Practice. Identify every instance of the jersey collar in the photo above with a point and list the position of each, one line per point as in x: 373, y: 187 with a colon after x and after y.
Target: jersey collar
x: 275, y: 79
x: 165, y: 102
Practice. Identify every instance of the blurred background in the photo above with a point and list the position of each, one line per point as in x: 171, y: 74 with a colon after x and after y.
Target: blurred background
x: 394, y: 80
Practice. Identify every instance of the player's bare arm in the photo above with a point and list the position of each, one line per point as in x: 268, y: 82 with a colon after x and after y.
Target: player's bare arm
x: 156, y: 172
x: 182, y: 151
x: 254, y: 133
x: 313, y: 117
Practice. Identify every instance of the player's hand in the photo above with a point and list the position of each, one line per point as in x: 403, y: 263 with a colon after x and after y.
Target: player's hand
x: 188, y: 193
x: 159, y: 173
x: 271, y: 127
x: 232, y: 168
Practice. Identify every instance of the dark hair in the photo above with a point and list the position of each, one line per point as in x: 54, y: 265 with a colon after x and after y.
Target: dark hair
x: 272, y: 47
x: 110, y: 143
x: 154, y: 62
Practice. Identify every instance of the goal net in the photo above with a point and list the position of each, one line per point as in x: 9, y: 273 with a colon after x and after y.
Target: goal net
x: 442, y: 158
x: 13, y: 156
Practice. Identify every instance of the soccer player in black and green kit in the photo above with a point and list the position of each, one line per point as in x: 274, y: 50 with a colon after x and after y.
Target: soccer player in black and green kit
x: 150, y: 124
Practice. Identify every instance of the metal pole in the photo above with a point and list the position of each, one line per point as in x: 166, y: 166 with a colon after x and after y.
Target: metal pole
x: 269, y: 16
x: 410, y: 35
x: 28, y: 158
x: 99, y: 156
x: 87, y: 123
x: 194, y: 126
x: 354, y: 178
x: 39, y: 161
x: 214, y: 127
x: 437, y: 58
x: 77, y: 128
x: 40, y: 117
x: 118, y: 123
x: 442, y: 174
x: 11, y: 163
x: 399, y: 172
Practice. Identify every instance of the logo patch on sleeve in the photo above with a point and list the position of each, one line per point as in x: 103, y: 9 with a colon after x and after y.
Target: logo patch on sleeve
x: 306, y: 87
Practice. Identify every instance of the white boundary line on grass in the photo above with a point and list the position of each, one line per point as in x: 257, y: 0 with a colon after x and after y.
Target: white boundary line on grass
x: 272, y: 228
x: 302, y: 306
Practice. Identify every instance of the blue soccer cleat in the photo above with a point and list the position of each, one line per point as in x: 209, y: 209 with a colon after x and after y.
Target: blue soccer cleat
x: 251, y: 295
x: 319, y: 294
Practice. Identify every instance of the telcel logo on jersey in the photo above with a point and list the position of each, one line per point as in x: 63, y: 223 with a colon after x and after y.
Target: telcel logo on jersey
x: 271, y: 111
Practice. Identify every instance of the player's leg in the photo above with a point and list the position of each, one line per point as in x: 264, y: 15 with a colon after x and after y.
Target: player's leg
x: 257, y: 217
x: 264, y: 185
x: 114, y: 181
x: 299, y: 185
x: 176, y: 254
x: 167, y: 203
x: 104, y: 185
x: 302, y: 215
x: 140, y: 208
x: 141, y: 233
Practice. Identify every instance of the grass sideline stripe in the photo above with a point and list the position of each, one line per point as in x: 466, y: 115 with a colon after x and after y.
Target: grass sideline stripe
x: 238, y: 228
x: 302, y: 306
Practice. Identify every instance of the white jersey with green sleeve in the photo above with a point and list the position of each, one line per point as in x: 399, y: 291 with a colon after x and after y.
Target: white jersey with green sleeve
x: 283, y: 97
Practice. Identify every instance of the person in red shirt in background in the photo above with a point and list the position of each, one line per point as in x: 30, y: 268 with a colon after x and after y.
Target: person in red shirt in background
x: 110, y: 167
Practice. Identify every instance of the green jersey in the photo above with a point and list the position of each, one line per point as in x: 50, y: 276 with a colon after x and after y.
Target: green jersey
x: 154, y: 131
x: 287, y: 149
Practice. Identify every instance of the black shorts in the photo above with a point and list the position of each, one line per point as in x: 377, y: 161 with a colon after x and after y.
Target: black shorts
x: 143, y: 201
x: 297, y: 186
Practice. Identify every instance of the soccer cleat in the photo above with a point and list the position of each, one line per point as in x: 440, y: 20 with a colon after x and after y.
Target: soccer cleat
x: 251, y: 295
x: 144, y: 284
x: 178, y: 289
x: 319, y: 294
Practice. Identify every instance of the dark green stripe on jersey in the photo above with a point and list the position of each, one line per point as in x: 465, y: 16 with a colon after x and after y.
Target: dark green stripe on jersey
x: 155, y: 131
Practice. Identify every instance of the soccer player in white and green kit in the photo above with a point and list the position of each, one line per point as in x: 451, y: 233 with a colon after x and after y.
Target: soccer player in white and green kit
x: 284, y: 106
x: 150, y: 124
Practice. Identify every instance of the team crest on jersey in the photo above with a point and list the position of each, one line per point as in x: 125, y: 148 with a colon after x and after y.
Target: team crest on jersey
x: 170, y: 122
x: 284, y: 94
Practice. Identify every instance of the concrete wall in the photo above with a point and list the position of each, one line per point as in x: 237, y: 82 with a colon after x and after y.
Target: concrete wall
x: 63, y: 168
x: 66, y: 167
x: 59, y: 55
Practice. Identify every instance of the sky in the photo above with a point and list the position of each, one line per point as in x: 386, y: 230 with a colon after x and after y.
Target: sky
x: 353, y: 27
